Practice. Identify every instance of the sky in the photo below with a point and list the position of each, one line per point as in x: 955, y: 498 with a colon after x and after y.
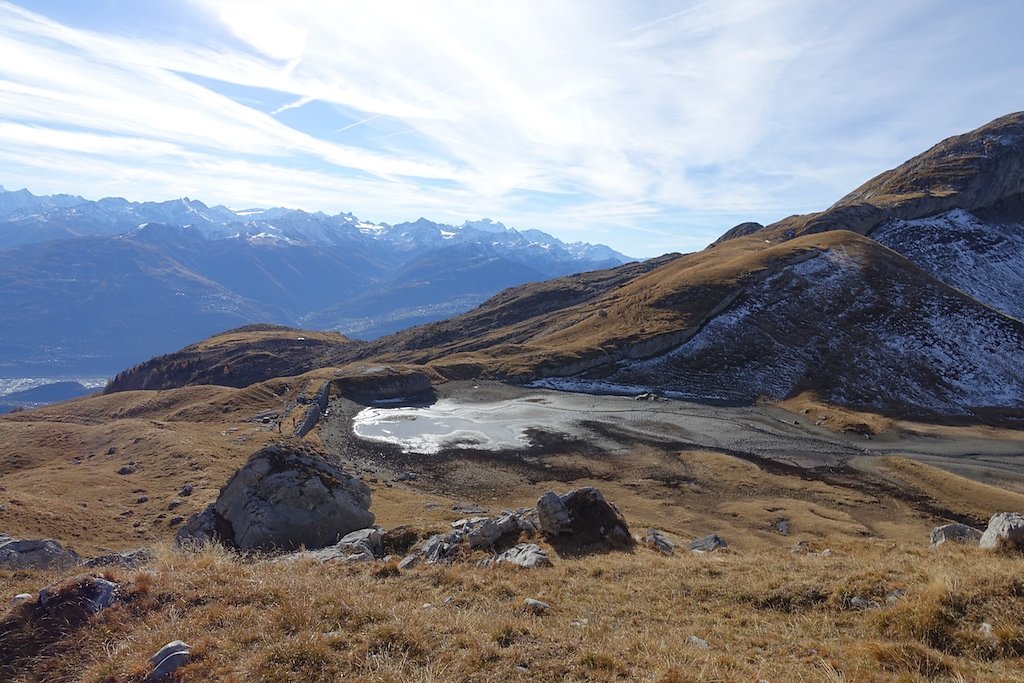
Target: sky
x: 648, y: 126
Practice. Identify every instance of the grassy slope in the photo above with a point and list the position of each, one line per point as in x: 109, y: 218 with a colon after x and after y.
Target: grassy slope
x: 239, y: 358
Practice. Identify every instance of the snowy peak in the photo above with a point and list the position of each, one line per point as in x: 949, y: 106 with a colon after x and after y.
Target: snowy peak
x: 67, y: 216
x: 484, y: 225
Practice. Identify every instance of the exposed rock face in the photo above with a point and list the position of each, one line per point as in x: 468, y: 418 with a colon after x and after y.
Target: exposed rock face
x: 584, y: 515
x: 1005, y: 531
x: 954, y: 533
x: 35, y: 554
x: 284, y: 498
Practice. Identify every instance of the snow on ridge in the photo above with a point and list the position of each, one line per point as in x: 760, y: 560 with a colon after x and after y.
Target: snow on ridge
x: 865, y: 337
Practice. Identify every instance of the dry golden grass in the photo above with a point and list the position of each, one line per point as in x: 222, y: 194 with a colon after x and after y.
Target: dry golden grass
x: 767, y: 615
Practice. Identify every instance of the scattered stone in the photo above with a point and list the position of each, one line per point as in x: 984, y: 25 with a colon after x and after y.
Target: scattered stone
x: 1005, y: 531
x: 526, y: 555
x: 782, y: 526
x: 860, y: 603
x: 112, y: 450
x: 698, y: 642
x: 536, y: 606
x: 284, y: 498
x: 441, y: 547
x: 175, y: 521
x: 141, y: 499
x: 657, y: 540
x: 20, y: 598
x: 129, y: 560
x: 186, y: 490
x: 130, y: 468
x: 35, y: 554
x: 895, y: 596
x: 175, y: 504
x: 827, y: 552
x: 408, y: 562
x: 708, y: 544
x: 368, y: 541
x: 91, y: 594
x: 168, y: 659
x: 584, y: 515
x: 986, y: 631
x: 407, y: 476
x: 954, y: 533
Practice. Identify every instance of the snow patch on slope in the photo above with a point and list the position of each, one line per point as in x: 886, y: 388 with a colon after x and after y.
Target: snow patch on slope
x: 982, y: 259
x: 861, y: 333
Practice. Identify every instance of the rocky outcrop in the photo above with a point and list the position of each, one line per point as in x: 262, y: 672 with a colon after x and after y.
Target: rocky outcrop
x: 582, y: 515
x: 377, y: 383
x: 1005, y: 532
x: 283, y: 498
x: 35, y: 554
x: 954, y: 533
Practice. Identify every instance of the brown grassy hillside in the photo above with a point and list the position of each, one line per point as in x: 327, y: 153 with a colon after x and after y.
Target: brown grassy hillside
x: 238, y: 358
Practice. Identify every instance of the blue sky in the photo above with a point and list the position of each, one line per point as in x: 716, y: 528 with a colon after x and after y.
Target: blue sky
x: 649, y: 126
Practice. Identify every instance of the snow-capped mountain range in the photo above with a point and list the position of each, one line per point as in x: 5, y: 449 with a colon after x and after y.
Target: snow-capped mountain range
x: 115, y: 282
x: 26, y: 218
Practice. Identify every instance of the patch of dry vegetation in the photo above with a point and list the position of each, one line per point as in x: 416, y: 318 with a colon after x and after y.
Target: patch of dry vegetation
x: 767, y: 615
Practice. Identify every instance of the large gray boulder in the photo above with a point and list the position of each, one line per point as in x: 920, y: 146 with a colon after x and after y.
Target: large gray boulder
x: 954, y: 533
x: 43, y: 553
x: 1005, y: 531
x: 284, y: 498
x: 582, y: 515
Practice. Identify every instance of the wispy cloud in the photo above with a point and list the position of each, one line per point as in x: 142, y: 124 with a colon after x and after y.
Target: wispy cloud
x: 651, y: 126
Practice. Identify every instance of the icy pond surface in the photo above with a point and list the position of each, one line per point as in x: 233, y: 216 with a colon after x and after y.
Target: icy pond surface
x: 491, y: 426
x: 500, y: 418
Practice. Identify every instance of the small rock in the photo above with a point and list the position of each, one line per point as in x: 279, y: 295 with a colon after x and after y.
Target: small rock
x: 895, y: 596
x: 20, y: 598
x: 536, y: 606
x: 698, y: 642
x: 112, y: 450
x: 91, y: 593
x: 1005, y: 531
x: 986, y: 631
x: 142, y: 499
x: 827, y: 552
x: 859, y: 603
x: 168, y: 659
x: 186, y: 490
x: 782, y: 526
x: 707, y: 544
x: 128, y: 560
x: 954, y: 533
x: 130, y: 468
x: 175, y: 504
x: 526, y: 555
x: 408, y: 562
x: 35, y: 554
x: 175, y: 521
x: 407, y: 476
x: 655, y: 539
